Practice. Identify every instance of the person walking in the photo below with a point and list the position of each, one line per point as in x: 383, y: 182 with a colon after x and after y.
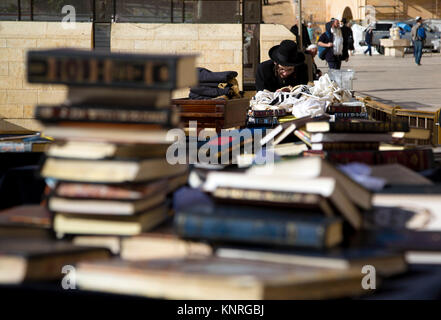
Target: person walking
x: 418, y: 34
x: 348, y: 35
x: 305, y: 35
x: 368, y: 39
x: 333, y: 42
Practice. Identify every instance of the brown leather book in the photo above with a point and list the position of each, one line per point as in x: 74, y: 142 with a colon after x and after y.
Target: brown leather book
x: 25, y: 220
x: 24, y: 259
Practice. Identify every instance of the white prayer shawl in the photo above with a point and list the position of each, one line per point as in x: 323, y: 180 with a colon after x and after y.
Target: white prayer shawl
x: 338, y: 41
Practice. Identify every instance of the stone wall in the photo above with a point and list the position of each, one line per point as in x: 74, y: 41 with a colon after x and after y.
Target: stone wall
x: 219, y: 45
x: 271, y: 35
x: 17, y: 97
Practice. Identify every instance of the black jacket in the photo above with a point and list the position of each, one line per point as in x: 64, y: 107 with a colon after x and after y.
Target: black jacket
x: 305, y: 35
x: 330, y: 57
x: 368, y: 37
x: 348, y: 38
x: 266, y: 77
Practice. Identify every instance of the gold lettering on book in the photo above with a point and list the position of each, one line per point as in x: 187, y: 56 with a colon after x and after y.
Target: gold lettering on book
x: 163, y: 74
x: 93, y: 70
x: 108, y: 75
x: 52, y: 69
x: 148, y: 73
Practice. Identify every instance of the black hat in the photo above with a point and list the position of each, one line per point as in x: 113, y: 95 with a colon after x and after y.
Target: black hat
x: 344, y: 20
x: 286, y: 54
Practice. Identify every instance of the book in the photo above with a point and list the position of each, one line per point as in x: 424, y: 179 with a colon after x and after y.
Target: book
x: 397, y: 174
x: 104, y: 206
x: 108, y: 69
x: 26, y: 221
x: 350, y: 137
x: 263, y: 121
x: 217, y: 278
x: 313, y: 167
x: 267, y: 113
x: 357, y: 126
x: 274, y: 199
x: 109, y: 171
x: 302, y: 135
x: 112, y: 243
x: 116, y: 135
x: 83, y: 113
x: 345, y: 146
x: 109, y: 191
x: 339, y: 108
x: 160, y: 245
x: 28, y: 146
x: 115, y: 97
x: 386, y: 262
x: 68, y: 223
x: 414, y: 159
x: 418, y: 134
x: 419, y: 247
x: 327, y: 187
x: 349, y: 115
x: 34, y: 259
x: 289, y: 127
x: 288, y: 149
x: 247, y: 224
x: 105, y: 150
x: 411, y: 198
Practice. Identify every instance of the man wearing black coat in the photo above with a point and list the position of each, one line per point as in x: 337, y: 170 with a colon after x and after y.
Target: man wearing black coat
x: 285, y: 68
x: 306, y: 41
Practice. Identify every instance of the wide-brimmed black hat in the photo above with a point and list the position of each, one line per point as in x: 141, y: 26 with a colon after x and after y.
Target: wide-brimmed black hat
x: 286, y: 54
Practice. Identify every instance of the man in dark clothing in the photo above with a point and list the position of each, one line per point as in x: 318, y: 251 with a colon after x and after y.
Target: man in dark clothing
x: 333, y: 41
x: 306, y: 41
x: 286, y: 68
x: 368, y: 39
x: 348, y: 38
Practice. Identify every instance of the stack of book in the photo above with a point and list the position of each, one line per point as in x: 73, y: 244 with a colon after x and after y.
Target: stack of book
x: 265, y: 118
x: 370, y: 142
x: 347, y: 110
x: 109, y: 160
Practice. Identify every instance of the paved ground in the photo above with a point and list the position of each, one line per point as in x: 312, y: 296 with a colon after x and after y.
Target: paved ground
x: 397, y: 81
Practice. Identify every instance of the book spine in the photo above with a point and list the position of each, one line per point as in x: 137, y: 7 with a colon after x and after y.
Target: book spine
x: 303, y: 137
x: 249, y: 230
x: 417, y: 160
x: 15, y: 147
x: 367, y: 127
x: 267, y: 113
x: 96, y: 70
x: 347, y: 146
x: 266, y: 120
x: 267, y: 196
x: 344, y: 109
x: 366, y: 157
x: 348, y: 115
x: 64, y: 113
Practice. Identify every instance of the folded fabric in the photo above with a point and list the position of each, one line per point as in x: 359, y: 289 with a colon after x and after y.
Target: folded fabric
x: 210, y: 92
x: 206, y: 75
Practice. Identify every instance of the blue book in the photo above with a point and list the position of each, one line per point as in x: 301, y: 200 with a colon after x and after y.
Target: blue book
x: 255, y: 225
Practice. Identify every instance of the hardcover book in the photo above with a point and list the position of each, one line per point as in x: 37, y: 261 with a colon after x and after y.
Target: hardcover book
x: 217, y: 278
x: 83, y: 113
x: 23, y: 260
x: 246, y: 224
x: 110, y: 171
x: 94, y: 68
x: 357, y: 126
